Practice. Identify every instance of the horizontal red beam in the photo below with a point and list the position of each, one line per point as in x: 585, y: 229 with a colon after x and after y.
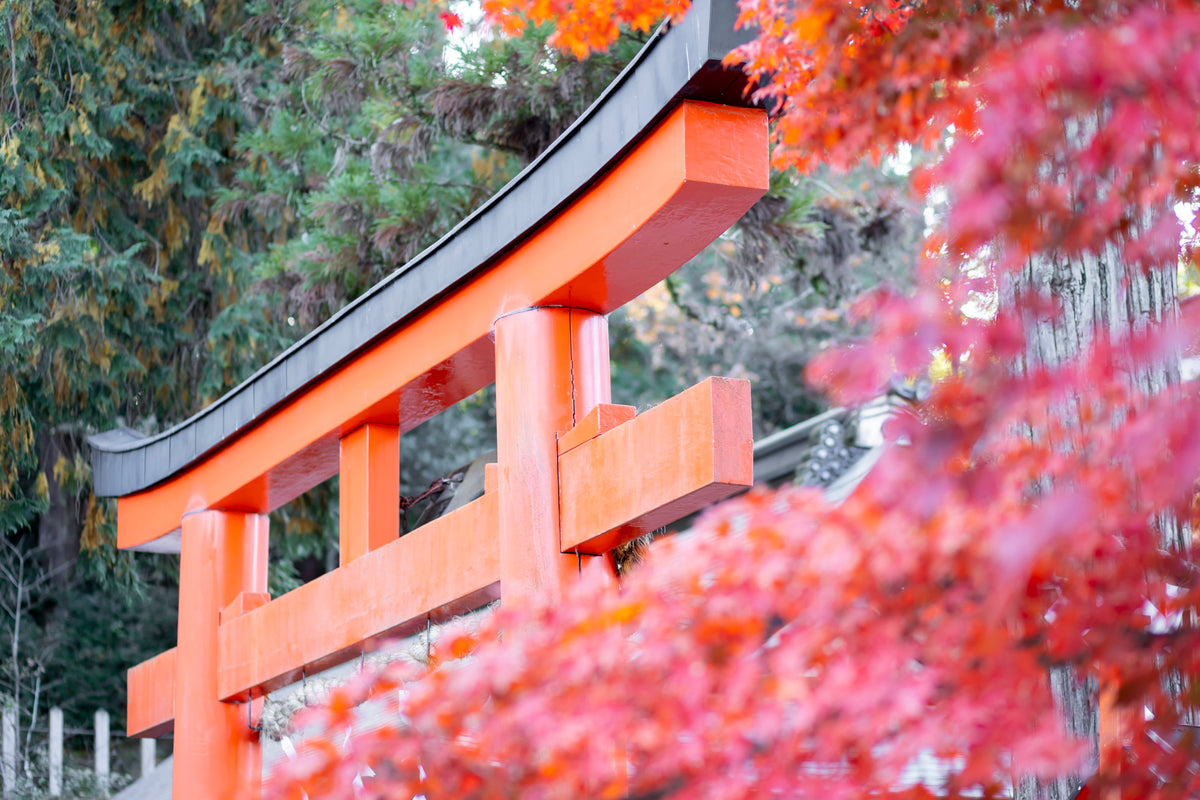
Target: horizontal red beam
x: 603, y: 417
x: 150, y: 709
x: 442, y: 569
x: 671, y: 461
x: 676, y: 191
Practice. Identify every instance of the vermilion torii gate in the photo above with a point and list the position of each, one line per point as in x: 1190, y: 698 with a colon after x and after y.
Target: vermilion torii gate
x: 658, y: 168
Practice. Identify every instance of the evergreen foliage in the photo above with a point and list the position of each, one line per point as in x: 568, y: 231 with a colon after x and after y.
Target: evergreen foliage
x: 189, y: 186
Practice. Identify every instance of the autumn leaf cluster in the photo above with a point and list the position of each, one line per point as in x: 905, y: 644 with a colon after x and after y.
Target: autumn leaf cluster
x: 1023, y: 519
x: 793, y: 647
x: 583, y: 27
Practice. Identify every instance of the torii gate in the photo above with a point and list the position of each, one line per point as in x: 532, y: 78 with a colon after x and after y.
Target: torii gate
x: 660, y: 166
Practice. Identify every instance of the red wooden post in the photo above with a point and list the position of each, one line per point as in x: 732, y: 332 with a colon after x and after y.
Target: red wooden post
x: 551, y: 369
x: 224, y: 555
x: 369, y: 490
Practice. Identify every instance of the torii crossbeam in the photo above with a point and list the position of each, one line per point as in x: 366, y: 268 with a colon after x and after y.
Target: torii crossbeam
x: 516, y: 295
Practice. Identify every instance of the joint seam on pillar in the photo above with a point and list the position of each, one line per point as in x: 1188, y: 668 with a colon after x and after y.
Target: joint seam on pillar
x: 573, y: 400
x: 571, y: 370
x: 540, y: 308
x: 220, y: 510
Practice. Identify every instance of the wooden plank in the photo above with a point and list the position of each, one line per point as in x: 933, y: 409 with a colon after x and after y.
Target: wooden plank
x: 244, y: 603
x: 368, y: 490
x: 150, y: 709
x: 673, y: 460
x: 600, y: 419
x: 443, y: 568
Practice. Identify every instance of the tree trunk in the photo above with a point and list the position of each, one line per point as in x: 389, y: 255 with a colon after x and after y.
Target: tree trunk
x: 59, y: 526
x: 1096, y: 292
x: 1099, y: 291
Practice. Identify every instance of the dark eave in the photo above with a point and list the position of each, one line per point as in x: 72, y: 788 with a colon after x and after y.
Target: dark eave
x: 778, y: 456
x: 680, y: 62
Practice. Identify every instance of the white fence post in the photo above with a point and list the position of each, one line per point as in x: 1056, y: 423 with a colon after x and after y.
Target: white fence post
x: 102, y: 749
x: 148, y: 756
x: 8, y: 721
x: 56, y: 752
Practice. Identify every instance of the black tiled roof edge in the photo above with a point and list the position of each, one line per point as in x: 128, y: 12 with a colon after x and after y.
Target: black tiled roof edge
x: 835, y: 450
x: 821, y: 452
x: 679, y: 62
x: 779, y: 455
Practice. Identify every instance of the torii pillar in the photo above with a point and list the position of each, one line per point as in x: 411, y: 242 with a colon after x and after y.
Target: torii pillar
x: 552, y: 368
x: 223, y: 560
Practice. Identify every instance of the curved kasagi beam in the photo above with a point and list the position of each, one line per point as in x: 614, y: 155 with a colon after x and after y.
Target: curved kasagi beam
x: 664, y: 161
